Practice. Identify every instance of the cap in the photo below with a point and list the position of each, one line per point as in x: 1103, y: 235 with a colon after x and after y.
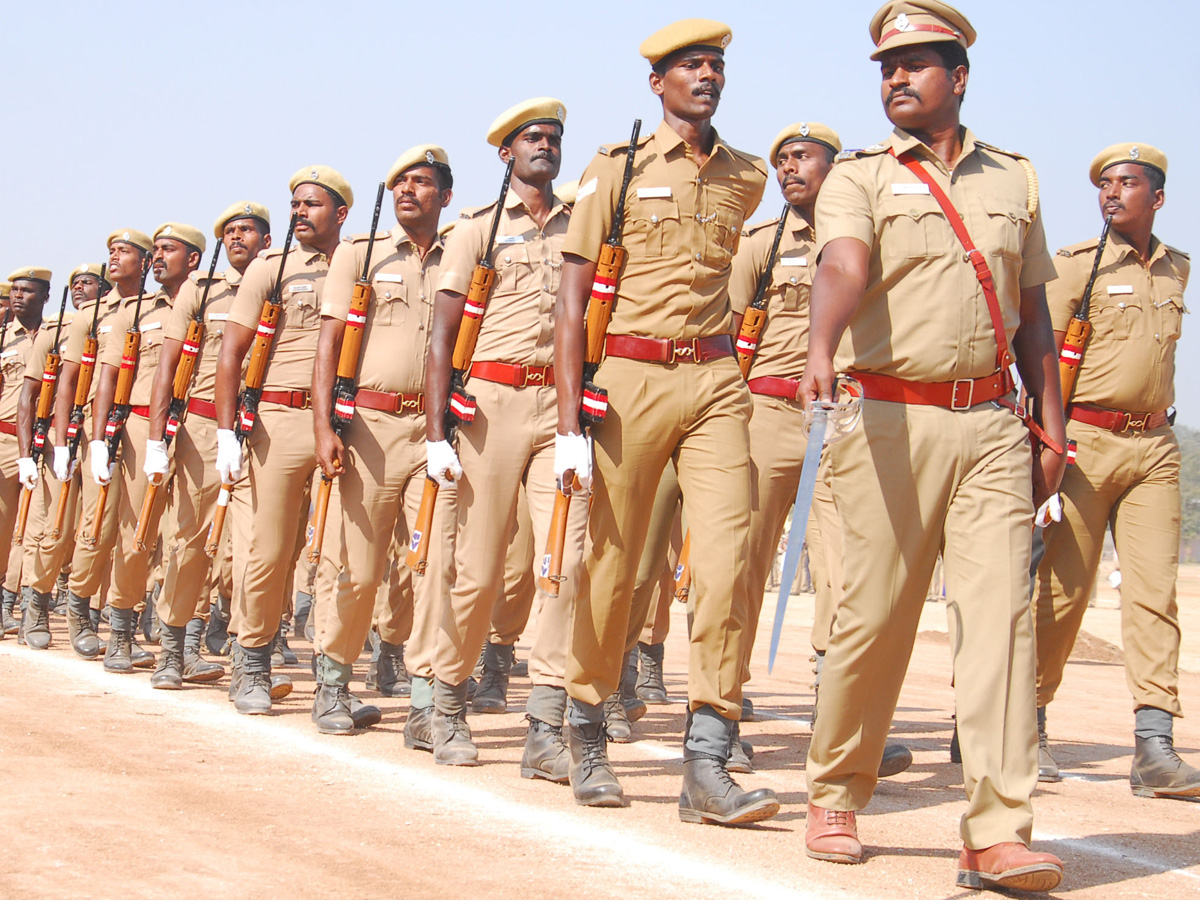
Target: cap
x: 326, y: 178
x: 189, y: 234
x: 243, y: 209
x: 420, y: 155
x: 685, y: 33
x: 566, y: 192
x: 130, y: 236
x: 513, y: 119
x: 899, y: 23
x: 93, y: 269
x: 1143, y: 154
x: 814, y: 132
x: 5, y: 287
x: 31, y: 273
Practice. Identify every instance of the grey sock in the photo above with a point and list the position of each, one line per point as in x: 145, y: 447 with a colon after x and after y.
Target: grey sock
x: 332, y: 673
x: 449, y: 699
x: 547, y: 704
x: 422, y: 693
x: 580, y: 713
x: 708, y: 732
x: 1150, y: 721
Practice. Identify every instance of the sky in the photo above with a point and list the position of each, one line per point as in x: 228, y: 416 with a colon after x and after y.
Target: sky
x: 133, y: 113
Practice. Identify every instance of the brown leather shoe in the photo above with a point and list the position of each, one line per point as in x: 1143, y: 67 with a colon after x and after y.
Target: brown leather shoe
x: 1009, y: 865
x: 832, y: 835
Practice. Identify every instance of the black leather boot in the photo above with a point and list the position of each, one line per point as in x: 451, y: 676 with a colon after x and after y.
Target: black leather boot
x: 84, y: 640
x: 546, y: 754
x: 8, y: 603
x: 711, y: 797
x: 1159, y: 772
x: 593, y: 781
x: 491, y: 695
x: 117, y: 658
x: 197, y: 669
x: 253, y: 693
x: 650, y: 685
x: 331, y: 709
x: 168, y: 675
x: 635, y: 706
x: 35, y: 624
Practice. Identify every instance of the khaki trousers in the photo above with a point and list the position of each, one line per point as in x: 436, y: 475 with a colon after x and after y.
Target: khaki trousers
x: 393, y: 617
x: 510, y: 612
x: 696, y: 414
x: 10, y: 498
x: 510, y: 444
x: 91, y: 563
x: 371, y: 507
x: 45, y: 557
x: 270, y: 519
x: 132, y: 567
x: 824, y: 537
x: 654, y: 588
x: 189, y: 570
x: 908, y: 482
x: 1129, y: 482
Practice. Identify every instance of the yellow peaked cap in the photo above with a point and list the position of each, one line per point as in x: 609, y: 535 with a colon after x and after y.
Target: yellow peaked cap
x: 243, y: 209
x: 420, y: 155
x: 189, y: 234
x: 33, y: 273
x: 685, y: 33
x: 1125, y: 153
x: 513, y: 119
x: 130, y: 236
x: 899, y: 23
x: 805, y: 131
x: 326, y: 178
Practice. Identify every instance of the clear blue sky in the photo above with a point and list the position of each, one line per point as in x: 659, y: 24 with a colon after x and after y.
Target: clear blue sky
x: 129, y: 114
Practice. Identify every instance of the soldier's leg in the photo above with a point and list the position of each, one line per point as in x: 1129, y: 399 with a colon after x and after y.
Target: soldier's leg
x: 10, y: 496
x: 392, y: 622
x: 653, y: 590
x: 510, y: 612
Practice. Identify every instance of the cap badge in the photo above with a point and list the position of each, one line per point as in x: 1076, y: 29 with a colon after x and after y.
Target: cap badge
x: 125, y: 236
x: 1134, y: 153
x: 247, y: 208
x: 313, y: 174
x: 803, y: 129
x: 561, y: 113
x: 725, y: 41
x: 902, y: 23
x: 166, y: 231
x: 429, y: 157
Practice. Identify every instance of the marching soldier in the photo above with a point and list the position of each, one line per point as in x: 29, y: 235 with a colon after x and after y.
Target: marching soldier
x: 939, y: 459
x: 91, y: 561
x: 28, y: 294
x: 674, y: 392
x: 176, y: 254
x: 244, y: 229
x: 280, y: 449
x: 511, y: 440
x: 1127, y: 464
x: 378, y: 464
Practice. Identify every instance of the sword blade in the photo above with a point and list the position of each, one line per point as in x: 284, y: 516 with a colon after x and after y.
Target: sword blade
x: 800, y: 511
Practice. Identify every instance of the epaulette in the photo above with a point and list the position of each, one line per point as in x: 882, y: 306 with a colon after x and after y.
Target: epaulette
x: 366, y: 236
x: 623, y: 146
x: 1082, y: 247
x: 1177, y: 250
x: 1011, y: 153
x: 873, y: 150
x: 1033, y: 192
x: 474, y: 212
x: 269, y: 252
x: 770, y: 223
x: 199, y: 277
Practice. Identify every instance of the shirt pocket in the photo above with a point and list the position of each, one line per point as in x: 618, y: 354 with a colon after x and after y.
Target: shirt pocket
x: 1118, y: 317
x: 1170, y: 314
x: 653, y: 227
x: 390, y: 299
x: 792, y: 284
x: 151, y: 347
x: 1005, y: 231
x: 13, y: 369
x: 722, y: 231
x: 912, y: 227
x: 300, y: 302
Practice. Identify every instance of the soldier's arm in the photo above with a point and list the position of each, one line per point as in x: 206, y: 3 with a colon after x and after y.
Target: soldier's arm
x: 1037, y: 361
x: 570, y: 337
x: 106, y: 389
x: 163, y: 386
x: 447, y: 314
x: 329, y: 347
x: 837, y: 290
x: 30, y: 387
x: 235, y: 344
x: 64, y: 400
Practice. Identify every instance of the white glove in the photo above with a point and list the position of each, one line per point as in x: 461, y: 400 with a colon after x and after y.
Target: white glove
x: 442, y: 463
x: 573, y: 452
x: 156, y: 459
x: 229, y: 456
x: 1050, y: 511
x: 27, y: 472
x: 102, y: 471
x: 64, y: 465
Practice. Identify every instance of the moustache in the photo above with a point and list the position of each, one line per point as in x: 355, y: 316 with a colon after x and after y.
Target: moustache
x: 709, y: 89
x: 794, y: 179
x: 902, y: 92
x: 300, y: 220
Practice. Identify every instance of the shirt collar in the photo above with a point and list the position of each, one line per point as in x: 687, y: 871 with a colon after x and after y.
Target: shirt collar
x: 1121, y: 248
x: 668, y: 139
x: 900, y: 141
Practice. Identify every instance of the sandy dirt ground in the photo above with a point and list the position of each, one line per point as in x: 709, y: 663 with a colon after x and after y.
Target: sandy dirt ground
x: 111, y: 789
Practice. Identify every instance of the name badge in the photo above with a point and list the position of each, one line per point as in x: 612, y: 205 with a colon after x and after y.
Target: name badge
x: 392, y: 279
x: 653, y: 193
x: 150, y: 326
x: 104, y: 329
x: 793, y: 261
x: 918, y: 188
x: 510, y: 239
x: 300, y: 288
x: 1120, y: 289
x: 218, y: 317
x: 8, y: 353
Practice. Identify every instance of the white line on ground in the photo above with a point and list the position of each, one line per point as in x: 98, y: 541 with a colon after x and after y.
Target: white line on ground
x: 1139, y: 859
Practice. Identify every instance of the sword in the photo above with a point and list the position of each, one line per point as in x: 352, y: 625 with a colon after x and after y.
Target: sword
x: 800, y: 511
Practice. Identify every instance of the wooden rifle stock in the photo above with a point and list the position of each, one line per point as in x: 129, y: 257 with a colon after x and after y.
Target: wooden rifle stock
x: 1079, y: 329
x: 551, y: 571
x: 418, y: 544
x: 213, y: 543
x: 22, y: 516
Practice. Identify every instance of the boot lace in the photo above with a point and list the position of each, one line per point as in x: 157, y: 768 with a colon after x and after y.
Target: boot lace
x: 595, y: 751
x: 840, y: 817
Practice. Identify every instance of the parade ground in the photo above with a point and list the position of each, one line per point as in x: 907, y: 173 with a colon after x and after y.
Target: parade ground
x: 112, y: 789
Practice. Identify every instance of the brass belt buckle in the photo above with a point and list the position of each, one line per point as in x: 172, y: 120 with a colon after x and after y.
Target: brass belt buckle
x: 532, y: 373
x: 305, y: 399
x: 955, y: 403
x: 1135, y: 423
x: 685, y: 349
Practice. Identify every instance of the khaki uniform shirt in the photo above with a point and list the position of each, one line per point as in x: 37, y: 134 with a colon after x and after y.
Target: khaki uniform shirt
x: 783, y: 343
x: 1136, y: 315
x: 78, y: 330
x: 682, y: 225
x: 923, y: 316
x: 216, y: 312
x: 156, y: 310
x: 518, y: 326
x: 399, y: 315
x: 43, y: 342
x: 290, y: 363
x: 14, y: 355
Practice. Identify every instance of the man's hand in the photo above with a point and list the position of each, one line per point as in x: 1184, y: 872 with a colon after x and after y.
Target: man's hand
x: 817, y: 382
x: 1050, y: 511
x: 229, y: 456
x: 64, y: 464
x: 442, y: 465
x: 573, y: 454
x: 331, y: 451
x: 1048, y: 470
x: 156, y: 459
x: 27, y: 472
x: 102, y: 470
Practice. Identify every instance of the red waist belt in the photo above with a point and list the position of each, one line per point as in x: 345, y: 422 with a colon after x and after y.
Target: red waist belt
x: 770, y: 386
x: 143, y: 411
x: 961, y: 394
x: 202, y: 408
x: 1116, y: 420
x: 390, y: 401
x: 513, y: 374
x: 8, y: 428
x: 668, y: 350
x: 294, y: 399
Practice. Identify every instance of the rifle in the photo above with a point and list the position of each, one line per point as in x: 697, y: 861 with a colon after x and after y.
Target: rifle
x: 256, y: 373
x: 460, y: 406
x: 753, y: 322
x: 42, y: 417
x: 1079, y: 329
x: 83, y: 388
x: 344, y: 388
x: 593, y: 404
x: 179, y: 397
x: 114, y: 428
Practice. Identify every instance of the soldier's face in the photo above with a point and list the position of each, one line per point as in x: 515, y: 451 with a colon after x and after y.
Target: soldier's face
x: 243, y: 240
x: 917, y: 90
x: 537, y: 151
x: 319, y: 220
x: 27, y: 295
x: 1126, y: 195
x: 124, y: 261
x: 84, y: 288
x: 801, y: 167
x: 692, y: 85
x: 172, y: 260
x: 417, y: 198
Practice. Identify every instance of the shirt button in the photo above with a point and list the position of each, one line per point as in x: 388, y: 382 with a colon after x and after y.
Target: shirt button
x: 387, y: 296
x: 508, y: 259
x: 793, y: 279
x: 697, y: 257
x: 654, y: 220
x: 1121, y: 305
x: 1156, y: 337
